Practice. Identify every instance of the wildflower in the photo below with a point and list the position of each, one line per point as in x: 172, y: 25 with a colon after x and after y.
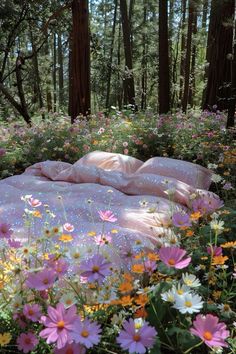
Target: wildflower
x: 2, y: 152
x: 73, y: 348
x: 125, y: 287
x: 102, y: 239
x: 95, y: 268
x: 180, y: 220
x: 68, y: 227
x: 138, y: 268
x: 216, y: 178
x: 210, y: 330
x: 214, y: 250
x: 173, y: 257
x: 60, y: 324
x: 150, y: 266
x: 68, y: 300
x: 126, y: 300
x: 180, y: 290
x: 225, y: 309
x: 107, y: 215
x: 142, y: 299
x: 217, y: 226
x: 231, y: 244
x: 27, y: 342
x: 168, y: 296
x: 227, y: 186
x: 5, y: 338
x: 219, y: 260
x: 34, y: 202
x: 189, y: 233
x: 136, y: 340
x: 17, y: 302
x: 14, y: 243
x: 65, y: 238
x: 37, y: 214
x: 86, y: 332
x: 5, y: 230
x: 91, y: 233
x: 190, y: 280
x: 32, y: 312
x: 188, y: 303
x: 41, y: 280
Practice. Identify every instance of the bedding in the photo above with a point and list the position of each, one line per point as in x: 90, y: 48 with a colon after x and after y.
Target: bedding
x: 141, y: 202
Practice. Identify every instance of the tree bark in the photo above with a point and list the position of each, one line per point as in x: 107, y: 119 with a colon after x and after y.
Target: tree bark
x: 19, y: 82
x: 80, y: 61
x: 144, y: 60
x: 129, y: 79
x: 193, y: 62
x: 183, y: 49
x: 60, y: 71
x: 164, y: 68
x: 54, y: 72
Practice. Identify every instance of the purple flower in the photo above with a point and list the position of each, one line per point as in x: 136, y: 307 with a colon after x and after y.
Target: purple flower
x: 41, y: 280
x: 214, y: 251
x: 173, y: 257
x: 60, y: 324
x: 2, y: 152
x: 227, y: 186
x: 210, y: 330
x: 14, y: 243
x: 27, y: 342
x: 95, y: 268
x: 73, y: 348
x: 60, y: 266
x: 32, y: 312
x: 136, y: 340
x: 86, y: 332
x: 5, y: 230
x: 180, y: 220
x: 206, y: 205
x: 107, y: 215
x: 150, y: 266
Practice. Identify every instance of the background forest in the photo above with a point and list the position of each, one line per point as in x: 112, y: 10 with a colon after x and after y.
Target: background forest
x: 78, y: 57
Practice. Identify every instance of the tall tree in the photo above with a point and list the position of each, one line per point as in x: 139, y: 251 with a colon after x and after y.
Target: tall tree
x: 219, y: 45
x: 129, y: 88
x: 183, y: 47
x: 79, y: 101
x: 164, y: 68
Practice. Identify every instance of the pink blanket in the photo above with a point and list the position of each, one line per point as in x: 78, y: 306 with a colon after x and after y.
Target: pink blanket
x: 103, y: 181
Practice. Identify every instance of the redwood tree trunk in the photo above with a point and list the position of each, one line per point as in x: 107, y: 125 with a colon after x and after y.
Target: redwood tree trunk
x: 129, y: 79
x: 164, y: 67
x: 183, y: 45
x: 219, y: 44
x: 80, y: 61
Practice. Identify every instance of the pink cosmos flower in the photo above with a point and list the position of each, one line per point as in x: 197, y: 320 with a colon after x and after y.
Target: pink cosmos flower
x: 68, y: 227
x: 210, y: 330
x: 102, y: 239
x: 60, y: 324
x: 32, y: 312
x: 150, y: 266
x: 107, y: 215
x: 5, y: 230
x: 95, y: 268
x: 73, y: 348
x: 214, y: 250
x: 180, y: 220
x: 86, y: 332
x: 60, y: 267
x: 34, y: 202
x: 207, y: 204
x: 136, y: 340
x: 173, y: 257
x: 42, y: 280
x: 27, y: 342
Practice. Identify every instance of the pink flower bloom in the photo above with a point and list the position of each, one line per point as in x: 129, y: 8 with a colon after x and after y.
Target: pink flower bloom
x: 95, y: 268
x: 41, y: 280
x: 60, y: 267
x: 206, y: 204
x: 125, y: 144
x: 73, y: 348
x: 5, y: 230
x: 86, y: 332
x: 173, y: 257
x: 136, y: 340
x: 180, y: 220
x: 14, y: 243
x: 32, y: 312
x: 27, y: 342
x: 102, y: 239
x: 34, y: 202
x: 150, y: 266
x: 215, y: 251
x: 60, y: 324
x: 210, y: 330
x: 2, y: 152
x: 107, y: 215
x: 68, y: 227
x: 126, y: 151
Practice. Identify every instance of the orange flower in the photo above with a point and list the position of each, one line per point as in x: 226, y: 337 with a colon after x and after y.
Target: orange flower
x: 37, y: 214
x: 189, y: 233
x: 125, y: 287
x: 229, y: 244
x: 216, y: 294
x: 65, y: 238
x: 142, y: 299
x: 126, y: 300
x: 138, y: 268
x: 196, y: 215
x: 139, y: 255
x: 153, y: 256
x: 127, y: 277
x: 141, y: 313
x: 219, y: 260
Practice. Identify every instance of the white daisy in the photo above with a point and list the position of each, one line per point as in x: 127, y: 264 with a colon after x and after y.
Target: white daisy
x: 189, y: 303
x: 217, y: 226
x: 168, y: 296
x: 68, y: 300
x: 190, y: 280
x: 180, y: 290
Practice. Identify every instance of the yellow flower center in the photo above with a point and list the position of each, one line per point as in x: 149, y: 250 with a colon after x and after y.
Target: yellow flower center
x: 84, y: 333
x: 95, y: 269
x: 188, y: 304
x: 68, y: 302
x: 207, y: 335
x: 60, y: 324
x: 136, y: 337
x: 30, y: 312
x: 171, y: 261
x: 180, y: 292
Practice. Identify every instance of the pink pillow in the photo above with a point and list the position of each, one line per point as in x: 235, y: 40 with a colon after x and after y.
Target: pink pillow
x: 195, y: 175
x: 110, y: 161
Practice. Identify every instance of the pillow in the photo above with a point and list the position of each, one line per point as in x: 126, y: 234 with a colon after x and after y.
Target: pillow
x: 110, y: 161
x: 187, y: 172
